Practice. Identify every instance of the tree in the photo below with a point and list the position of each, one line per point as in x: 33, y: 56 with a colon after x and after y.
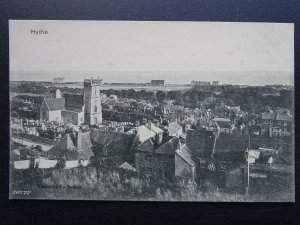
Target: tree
x: 161, y: 96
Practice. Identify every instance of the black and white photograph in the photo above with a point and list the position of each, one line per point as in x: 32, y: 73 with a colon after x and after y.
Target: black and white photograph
x: 151, y: 111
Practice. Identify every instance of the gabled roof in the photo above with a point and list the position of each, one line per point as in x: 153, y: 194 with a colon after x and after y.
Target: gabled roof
x: 168, y: 147
x: 55, y: 103
x: 173, y: 128
x: 284, y: 116
x: 147, y: 146
x: 73, y: 101
x: 224, y: 124
x: 127, y: 166
x: 185, y: 154
x: 268, y: 116
x: 143, y: 133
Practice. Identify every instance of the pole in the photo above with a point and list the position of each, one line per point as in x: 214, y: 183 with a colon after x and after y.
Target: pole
x: 248, y: 175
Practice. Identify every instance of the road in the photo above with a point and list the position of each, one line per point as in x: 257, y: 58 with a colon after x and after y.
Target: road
x: 28, y: 142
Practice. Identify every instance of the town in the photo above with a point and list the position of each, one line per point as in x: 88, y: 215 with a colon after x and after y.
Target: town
x: 207, y: 136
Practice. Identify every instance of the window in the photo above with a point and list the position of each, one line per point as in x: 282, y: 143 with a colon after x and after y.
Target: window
x: 285, y: 123
x: 95, y: 108
x: 279, y: 122
x: 95, y: 92
x: 266, y: 122
x: 271, y: 122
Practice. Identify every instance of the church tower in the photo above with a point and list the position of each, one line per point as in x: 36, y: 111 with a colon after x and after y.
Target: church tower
x: 92, y: 101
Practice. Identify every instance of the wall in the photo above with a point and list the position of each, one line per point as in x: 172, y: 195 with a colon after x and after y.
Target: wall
x: 72, y: 117
x: 44, y: 110
x: 182, y: 169
x: 235, y: 179
x: 159, y: 166
x: 55, y: 115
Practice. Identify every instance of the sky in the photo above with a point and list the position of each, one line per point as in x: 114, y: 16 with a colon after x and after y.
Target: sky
x: 131, y: 51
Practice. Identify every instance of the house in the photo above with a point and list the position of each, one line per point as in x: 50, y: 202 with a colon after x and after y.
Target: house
x: 222, y: 124
x: 155, y: 158
x: 277, y: 123
x: 144, y: 132
x: 219, y: 157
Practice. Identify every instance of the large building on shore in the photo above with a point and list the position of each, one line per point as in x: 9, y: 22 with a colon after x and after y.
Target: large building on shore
x: 74, y: 108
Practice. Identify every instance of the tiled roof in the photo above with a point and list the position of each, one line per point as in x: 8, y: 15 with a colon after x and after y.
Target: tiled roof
x: 143, y: 133
x: 231, y: 146
x: 268, y: 116
x: 173, y: 128
x: 55, y: 104
x: 284, y: 116
x: 185, y: 154
x: 73, y: 101
x: 127, y: 166
x: 155, y: 129
x: 224, y: 124
x: 168, y: 147
x: 147, y: 146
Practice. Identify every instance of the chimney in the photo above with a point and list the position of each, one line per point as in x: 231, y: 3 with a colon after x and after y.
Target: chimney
x: 78, y: 139
x: 179, y: 144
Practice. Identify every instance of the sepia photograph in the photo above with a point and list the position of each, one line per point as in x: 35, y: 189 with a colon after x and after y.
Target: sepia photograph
x: 151, y: 111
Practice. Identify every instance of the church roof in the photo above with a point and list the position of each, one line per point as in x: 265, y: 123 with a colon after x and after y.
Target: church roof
x: 55, y: 103
x: 73, y: 101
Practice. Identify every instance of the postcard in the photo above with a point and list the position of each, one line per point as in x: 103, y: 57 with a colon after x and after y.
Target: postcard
x: 152, y: 111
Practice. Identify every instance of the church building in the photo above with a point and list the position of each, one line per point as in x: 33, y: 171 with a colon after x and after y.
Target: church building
x: 74, y: 108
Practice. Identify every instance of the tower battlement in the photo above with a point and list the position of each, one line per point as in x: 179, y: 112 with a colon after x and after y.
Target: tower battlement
x: 92, y: 82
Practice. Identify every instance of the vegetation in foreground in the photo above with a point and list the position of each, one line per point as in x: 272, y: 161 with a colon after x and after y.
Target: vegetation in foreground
x: 90, y: 183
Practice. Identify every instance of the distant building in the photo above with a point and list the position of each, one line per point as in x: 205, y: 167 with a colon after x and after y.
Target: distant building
x: 158, y: 82
x: 216, y: 83
x: 200, y: 83
x: 58, y: 80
